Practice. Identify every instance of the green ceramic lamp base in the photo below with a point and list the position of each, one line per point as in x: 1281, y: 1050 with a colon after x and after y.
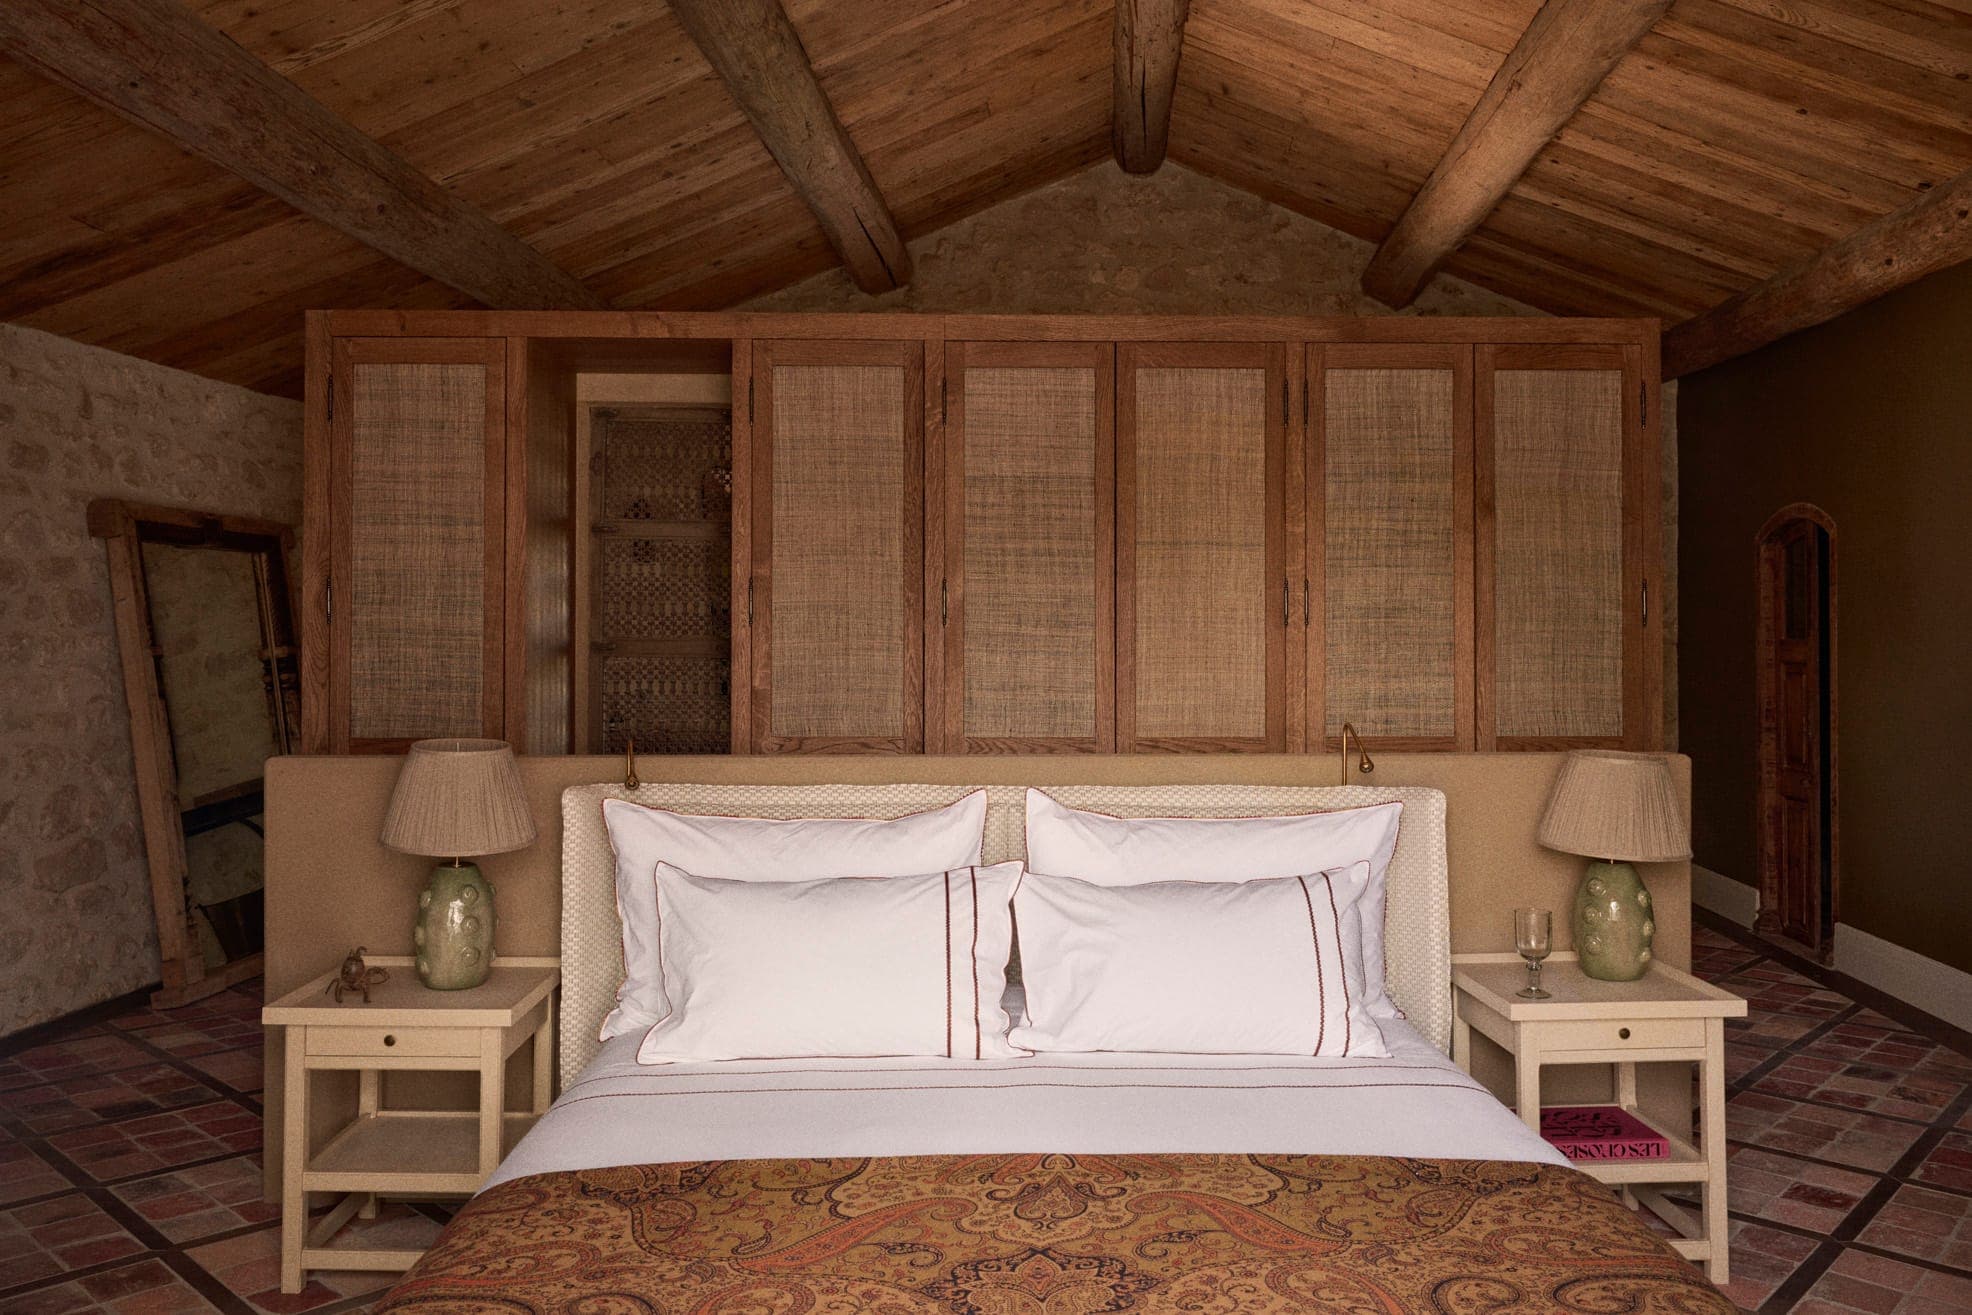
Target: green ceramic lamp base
x: 1613, y: 923
x: 453, y: 934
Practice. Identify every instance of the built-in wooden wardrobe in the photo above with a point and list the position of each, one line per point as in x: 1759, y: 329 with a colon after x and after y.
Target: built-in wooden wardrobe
x: 993, y: 534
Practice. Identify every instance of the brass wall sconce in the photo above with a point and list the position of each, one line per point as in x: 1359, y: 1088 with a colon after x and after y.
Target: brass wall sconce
x: 1363, y: 763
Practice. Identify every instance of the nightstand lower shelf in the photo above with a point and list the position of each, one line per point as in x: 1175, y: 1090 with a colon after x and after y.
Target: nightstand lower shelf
x: 1685, y: 1163
x: 370, y: 1154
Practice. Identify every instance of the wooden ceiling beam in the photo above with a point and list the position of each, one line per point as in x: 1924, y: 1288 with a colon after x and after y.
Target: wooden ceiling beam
x: 1557, y: 64
x: 1929, y: 234
x: 155, y: 63
x: 1149, y: 37
x: 754, y: 48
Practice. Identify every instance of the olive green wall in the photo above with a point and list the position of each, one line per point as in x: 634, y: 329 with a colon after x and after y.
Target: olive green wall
x: 1870, y: 418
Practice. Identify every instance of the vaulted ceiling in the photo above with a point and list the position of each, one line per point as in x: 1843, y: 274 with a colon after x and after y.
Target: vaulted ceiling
x: 1731, y: 140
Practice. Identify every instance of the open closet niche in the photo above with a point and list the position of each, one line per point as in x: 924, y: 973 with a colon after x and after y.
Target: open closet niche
x: 653, y: 542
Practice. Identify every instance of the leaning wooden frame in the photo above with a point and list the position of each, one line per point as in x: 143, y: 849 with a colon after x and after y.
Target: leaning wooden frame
x: 125, y: 528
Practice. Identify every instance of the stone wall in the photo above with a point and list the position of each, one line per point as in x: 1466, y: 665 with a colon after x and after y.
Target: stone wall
x: 78, y: 423
x: 1174, y: 242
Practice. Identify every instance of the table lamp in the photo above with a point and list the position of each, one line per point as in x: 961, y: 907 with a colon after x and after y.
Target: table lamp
x: 461, y: 798
x: 1617, y: 809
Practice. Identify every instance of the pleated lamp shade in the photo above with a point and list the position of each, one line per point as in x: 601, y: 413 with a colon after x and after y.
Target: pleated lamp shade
x: 1617, y: 806
x: 458, y: 799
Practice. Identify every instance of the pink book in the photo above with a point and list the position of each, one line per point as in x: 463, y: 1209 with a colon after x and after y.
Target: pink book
x: 1601, y: 1132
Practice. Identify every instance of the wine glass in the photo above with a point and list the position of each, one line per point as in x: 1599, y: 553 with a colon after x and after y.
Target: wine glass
x: 1533, y: 937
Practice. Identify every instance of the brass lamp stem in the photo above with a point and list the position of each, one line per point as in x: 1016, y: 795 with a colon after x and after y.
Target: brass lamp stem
x: 1363, y: 763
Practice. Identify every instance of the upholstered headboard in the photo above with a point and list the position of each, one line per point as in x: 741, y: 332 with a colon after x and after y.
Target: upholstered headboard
x: 1417, y: 924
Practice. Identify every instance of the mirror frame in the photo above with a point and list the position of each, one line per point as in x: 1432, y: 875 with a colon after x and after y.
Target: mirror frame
x: 124, y: 528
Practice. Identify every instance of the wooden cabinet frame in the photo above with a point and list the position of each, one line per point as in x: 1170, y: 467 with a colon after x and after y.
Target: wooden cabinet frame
x: 1312, y: 635
x: 1271, y: 357
x: 908, y: 356
x: 946, y: 537
x: 543, y: 349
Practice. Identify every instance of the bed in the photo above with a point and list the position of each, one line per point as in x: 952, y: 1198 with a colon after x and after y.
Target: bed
x: 1064, y: 1183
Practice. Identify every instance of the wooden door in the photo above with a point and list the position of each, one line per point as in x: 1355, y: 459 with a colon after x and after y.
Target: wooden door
x: 417, y: 581
x: 1388, y: 603
x: 1026, y: 600
x: 1568, y: 651
x: 837, y: 547
x: 1794, y: 717
x: 1201, y: 589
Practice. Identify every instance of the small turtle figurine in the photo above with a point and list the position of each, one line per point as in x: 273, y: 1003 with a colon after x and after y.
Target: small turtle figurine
x: 355, y: 975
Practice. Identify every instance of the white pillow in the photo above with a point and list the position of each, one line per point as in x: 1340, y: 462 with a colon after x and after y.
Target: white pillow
x: 1216, y: 967
x: 850, y: 966
x: 761, y: 849
x: 1127, y: 851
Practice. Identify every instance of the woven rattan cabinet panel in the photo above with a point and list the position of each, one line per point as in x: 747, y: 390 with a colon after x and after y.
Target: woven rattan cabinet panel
x: 1027, y: 599
x: 837, y: 546
x: 417, y: 492
x: 1390, y: 544
x: 1560, y: 569
x: 1201, y: 593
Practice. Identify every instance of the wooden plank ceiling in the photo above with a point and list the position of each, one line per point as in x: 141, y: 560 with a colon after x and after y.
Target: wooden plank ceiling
x: 1735, y: 139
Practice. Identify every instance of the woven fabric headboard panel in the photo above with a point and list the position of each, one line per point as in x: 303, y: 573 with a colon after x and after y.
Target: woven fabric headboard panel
x: 1417, y: 925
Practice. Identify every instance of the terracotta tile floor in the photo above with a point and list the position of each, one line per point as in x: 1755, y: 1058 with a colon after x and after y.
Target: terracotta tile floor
x: 130, y: 1173
x: 130, y: 1166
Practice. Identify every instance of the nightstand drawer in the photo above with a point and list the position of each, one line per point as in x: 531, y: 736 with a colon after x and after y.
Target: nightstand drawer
x: 1633, y: 1034
x: 421, y: 1042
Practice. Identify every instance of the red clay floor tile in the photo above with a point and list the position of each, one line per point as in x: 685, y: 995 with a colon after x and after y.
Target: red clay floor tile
x: 88, y: 1098
x: 23, y: 1174
x: 96, y: 1052
x: 160, y: 1141
x: 188, y: 1205
x: 56, y: 1236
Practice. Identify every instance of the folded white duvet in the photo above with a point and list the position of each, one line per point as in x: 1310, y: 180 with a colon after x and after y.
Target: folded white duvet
x: 1416, y: 1103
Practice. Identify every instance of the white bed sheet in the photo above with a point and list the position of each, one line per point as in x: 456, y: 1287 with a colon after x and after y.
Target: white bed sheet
x: 1416, y: 1103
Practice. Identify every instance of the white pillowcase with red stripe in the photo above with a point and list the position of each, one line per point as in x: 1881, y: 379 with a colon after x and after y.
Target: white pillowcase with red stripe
x: 760, y: 849
x: 1261, y: 967
x: 1128, y: 851
x: 842, y: 967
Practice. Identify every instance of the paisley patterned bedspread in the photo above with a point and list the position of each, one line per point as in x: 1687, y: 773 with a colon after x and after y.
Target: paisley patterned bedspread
x: 1055, y: 1235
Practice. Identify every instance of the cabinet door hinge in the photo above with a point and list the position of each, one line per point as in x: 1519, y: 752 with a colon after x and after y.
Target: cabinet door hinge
x: 1643, y: 401
x: 1646, y: 603
x: 749, y: 397
x: 332, y: 397
x: 944, y: 401
x: 329, y: 600
x: 749, y: 602
x: 944, y: 602
x: 1307, y: 602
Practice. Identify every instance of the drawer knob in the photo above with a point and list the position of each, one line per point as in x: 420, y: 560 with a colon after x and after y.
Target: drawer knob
x: 1622, y: 1032
x: 390, y: 1040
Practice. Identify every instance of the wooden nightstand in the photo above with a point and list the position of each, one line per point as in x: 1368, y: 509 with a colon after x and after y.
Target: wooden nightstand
x: 1668, y: 1016
x: 388, y: 1151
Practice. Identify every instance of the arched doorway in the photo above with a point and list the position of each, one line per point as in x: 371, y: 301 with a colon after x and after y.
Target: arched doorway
x: 1798, y: 830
